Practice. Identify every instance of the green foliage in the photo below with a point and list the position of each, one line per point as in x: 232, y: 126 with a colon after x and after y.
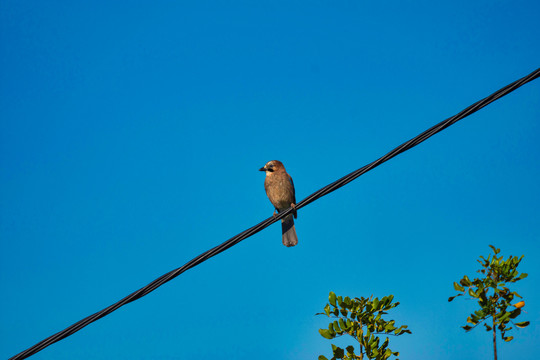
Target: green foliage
x: 362, y: 319
x: 492, y: 294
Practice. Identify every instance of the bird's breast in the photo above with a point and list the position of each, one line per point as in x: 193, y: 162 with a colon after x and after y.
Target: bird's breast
x: 279, y: 191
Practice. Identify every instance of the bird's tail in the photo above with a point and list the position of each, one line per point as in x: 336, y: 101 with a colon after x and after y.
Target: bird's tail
x: 288, y: 231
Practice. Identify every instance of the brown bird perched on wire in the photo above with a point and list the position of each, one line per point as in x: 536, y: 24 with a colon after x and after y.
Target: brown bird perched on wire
x: 280, y: 190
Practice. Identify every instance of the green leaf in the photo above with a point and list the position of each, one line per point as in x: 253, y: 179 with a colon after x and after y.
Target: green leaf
x: 458, y: 287
x: 508, y: 338
x: 479, y: 293
x: 467, y: 327
x: 514, y: 314
x: 331, y: 329
x: 472, y: 293
x: 495, y: 250
x: 350, y: 349
x: 322, y: 357
x: 337, y: 328
x: 504, y: 317
x: 339, y: 352
x: 402, y: 330
x: 522, y: 276
x: 327, y: 309
x: 479, y: 314
x: 522, y: 324
x: 325, y: 333
x: 332, y: 298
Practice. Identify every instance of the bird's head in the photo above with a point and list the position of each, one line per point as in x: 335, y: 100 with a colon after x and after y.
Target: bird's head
x: 272, y: 166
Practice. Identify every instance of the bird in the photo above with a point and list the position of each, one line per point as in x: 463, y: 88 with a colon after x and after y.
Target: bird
x: 279, y: 188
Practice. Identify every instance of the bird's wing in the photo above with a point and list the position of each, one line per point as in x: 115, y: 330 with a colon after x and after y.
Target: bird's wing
x: 293, y: 191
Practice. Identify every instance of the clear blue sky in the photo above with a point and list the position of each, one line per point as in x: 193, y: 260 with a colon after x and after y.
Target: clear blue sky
x: 130, y: 139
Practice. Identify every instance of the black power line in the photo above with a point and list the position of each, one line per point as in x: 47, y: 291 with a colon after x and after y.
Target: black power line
x: 255, y: 229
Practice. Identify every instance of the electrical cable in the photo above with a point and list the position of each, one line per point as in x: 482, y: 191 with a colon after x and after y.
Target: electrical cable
x: 262, y: 225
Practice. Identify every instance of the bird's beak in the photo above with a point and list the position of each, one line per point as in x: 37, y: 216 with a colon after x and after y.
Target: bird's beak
x: 262, y: 169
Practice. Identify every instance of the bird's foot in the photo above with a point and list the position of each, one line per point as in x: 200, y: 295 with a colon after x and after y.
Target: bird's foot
x: 294, y: 209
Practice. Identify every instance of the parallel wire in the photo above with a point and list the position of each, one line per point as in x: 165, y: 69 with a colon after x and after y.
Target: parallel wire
x: 262, y: 225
